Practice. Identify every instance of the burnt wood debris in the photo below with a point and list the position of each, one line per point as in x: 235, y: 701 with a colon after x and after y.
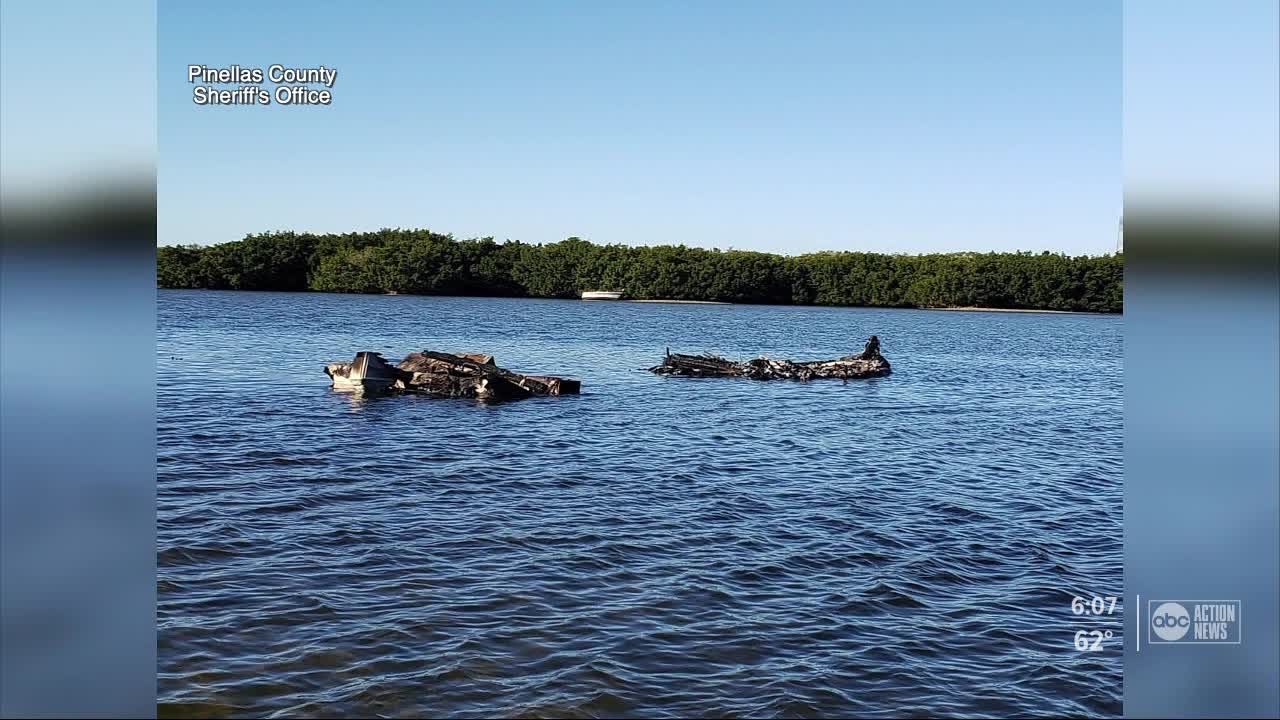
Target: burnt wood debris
x: 868, y: 363
x: 477, y: 376
x: 445, y: 375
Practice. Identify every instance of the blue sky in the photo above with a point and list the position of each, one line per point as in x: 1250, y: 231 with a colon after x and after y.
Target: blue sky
x: 889, y: 127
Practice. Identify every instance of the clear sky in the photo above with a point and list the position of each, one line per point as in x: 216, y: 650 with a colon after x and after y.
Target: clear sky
x: 784, y: 127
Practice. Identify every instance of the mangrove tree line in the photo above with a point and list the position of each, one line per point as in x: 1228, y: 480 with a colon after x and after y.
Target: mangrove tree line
x: 427, y: 263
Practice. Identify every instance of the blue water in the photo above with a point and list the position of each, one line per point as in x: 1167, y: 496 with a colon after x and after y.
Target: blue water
x: 654, y: 547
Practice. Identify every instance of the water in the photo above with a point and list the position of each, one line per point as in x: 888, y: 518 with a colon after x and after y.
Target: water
x: 654, y: 547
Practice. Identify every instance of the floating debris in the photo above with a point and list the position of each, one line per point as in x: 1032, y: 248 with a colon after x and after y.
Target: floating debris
x: 446, y: 375
x: 868, y: 363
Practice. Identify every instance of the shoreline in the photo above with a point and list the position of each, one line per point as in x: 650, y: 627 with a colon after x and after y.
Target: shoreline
x: 672, y: 302
x: 1015, y: 310
x: 681, y: 302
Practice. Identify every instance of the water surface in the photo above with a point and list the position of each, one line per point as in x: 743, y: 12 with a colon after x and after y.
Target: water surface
x: 658, y: 547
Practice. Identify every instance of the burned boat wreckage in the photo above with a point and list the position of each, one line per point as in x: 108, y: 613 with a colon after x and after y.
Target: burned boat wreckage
x: 445, y: 375
x: 869, y: 363
x: 471, y: 375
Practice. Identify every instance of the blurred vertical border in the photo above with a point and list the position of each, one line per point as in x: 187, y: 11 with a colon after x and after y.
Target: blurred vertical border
x: 77, y: 352
x: 1202, y: 354
x: 77, y: 359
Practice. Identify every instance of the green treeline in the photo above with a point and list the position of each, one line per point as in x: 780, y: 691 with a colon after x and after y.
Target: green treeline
x: 427, y: 263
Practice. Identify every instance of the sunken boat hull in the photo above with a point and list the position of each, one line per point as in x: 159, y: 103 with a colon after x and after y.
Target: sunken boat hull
x: 445, y: 375
x: 867, y: 364
x: 368, y: 372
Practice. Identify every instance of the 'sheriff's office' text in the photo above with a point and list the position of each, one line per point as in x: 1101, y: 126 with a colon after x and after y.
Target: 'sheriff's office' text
x: 293, y: 86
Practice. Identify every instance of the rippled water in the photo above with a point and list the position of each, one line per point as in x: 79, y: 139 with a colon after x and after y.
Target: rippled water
x: 654, y: 547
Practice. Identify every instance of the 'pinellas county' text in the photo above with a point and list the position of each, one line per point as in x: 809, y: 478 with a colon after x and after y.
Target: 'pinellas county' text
x: 293, y: 86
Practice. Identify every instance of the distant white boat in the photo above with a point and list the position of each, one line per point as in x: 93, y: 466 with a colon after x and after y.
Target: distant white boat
x: 602, y: 295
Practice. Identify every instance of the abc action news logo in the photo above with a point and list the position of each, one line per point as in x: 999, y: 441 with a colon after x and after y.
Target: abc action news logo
x: 1194, y: 622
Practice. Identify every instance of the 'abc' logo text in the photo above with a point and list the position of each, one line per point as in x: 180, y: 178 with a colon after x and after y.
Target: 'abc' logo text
x: 1170, y: 621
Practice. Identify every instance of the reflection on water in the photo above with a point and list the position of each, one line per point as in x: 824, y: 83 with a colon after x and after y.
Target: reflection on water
x: 653, y: 547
